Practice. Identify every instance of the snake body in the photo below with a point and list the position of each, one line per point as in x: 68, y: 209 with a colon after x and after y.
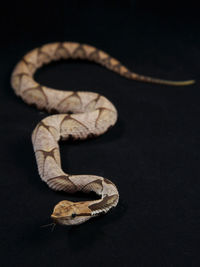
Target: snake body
x: 82, y: 115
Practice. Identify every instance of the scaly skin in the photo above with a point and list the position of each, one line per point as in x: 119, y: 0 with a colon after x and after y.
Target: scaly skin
x: 92, y: 115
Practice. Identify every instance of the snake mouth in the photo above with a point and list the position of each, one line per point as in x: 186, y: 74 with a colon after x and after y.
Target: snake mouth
x: 54, y: 217
x: 71, y: 220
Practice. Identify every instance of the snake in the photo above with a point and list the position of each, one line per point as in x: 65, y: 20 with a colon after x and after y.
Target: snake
x: 79, y: 115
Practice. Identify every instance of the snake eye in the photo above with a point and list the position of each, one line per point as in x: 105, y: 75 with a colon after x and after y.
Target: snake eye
x: 73, y: 215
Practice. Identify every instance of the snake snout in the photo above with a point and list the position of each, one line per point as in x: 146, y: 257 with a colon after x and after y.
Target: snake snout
x: 54, y: 217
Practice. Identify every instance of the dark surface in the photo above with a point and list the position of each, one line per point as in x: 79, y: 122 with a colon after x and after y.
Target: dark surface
x: 152, y: 154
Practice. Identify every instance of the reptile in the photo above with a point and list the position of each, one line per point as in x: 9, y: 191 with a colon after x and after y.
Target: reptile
x: 81, y: 115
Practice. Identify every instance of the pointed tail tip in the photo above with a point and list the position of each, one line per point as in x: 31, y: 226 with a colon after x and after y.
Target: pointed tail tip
x: 174, y: 83
x: 184, y: 83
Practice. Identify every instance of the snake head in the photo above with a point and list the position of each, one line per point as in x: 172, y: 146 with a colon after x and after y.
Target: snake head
x: 71, y: 213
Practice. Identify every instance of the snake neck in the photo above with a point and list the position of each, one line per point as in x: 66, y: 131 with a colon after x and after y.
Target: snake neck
x: 103, y: 205
x: 74, y: 213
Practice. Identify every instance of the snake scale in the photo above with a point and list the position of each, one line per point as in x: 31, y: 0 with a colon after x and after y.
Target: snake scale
x: 81, y: 115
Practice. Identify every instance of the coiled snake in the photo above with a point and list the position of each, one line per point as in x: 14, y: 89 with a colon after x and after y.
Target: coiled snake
x: 82, y: 115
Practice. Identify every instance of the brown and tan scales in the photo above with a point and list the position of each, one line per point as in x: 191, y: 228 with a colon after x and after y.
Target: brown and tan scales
x: 92, y: 115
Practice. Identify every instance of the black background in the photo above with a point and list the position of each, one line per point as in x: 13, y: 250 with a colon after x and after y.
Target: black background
x: 152, y: 154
